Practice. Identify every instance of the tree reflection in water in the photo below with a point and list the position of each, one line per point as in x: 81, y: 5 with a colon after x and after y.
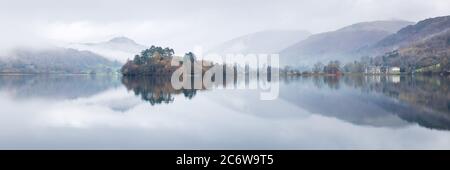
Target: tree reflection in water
x: 155, y: 89
x: 424, y: 100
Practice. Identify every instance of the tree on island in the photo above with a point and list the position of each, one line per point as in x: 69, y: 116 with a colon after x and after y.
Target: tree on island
x: 153, y: 51
x: 152, y: 61
x: 155, y: 61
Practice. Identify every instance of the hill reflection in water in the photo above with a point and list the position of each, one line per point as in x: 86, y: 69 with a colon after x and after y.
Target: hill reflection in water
x: 423, y: 100
x: 88, y: 111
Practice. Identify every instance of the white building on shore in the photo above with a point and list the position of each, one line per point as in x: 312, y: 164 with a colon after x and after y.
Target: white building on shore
x: 382, y: 70
x: 394, y: 70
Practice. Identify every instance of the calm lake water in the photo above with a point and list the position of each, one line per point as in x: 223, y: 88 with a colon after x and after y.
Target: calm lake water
x: 107, y: 112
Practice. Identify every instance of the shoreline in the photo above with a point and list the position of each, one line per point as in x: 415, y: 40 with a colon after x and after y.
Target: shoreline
x: 62, y: 74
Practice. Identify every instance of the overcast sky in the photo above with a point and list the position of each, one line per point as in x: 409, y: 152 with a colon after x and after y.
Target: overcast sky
x: 183, y: 24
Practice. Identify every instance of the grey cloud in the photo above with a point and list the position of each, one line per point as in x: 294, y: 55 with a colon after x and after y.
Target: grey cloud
x: 205, y: 22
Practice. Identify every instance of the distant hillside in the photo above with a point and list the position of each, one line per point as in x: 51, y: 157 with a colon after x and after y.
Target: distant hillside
x: 343, y: 44
x: 119, y: 48
x: 271, y: 41
x: 412, y: 34
x: 422, y: 49
x: 55, y: 60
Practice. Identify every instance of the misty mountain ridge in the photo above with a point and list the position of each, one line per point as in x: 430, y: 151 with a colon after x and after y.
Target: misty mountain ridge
x: 413, y: 33
x: 268, y: 41
x: 428, y: 51
x: 122, y: 40
x: 55, y: 60
x: 392, y: 42
x: 390, y: 26
x: 118, y: 48
x: 424, y: 44
x: 343, y: 44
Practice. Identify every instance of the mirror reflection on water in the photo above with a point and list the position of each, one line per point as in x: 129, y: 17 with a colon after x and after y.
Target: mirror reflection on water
x: 315, y: 112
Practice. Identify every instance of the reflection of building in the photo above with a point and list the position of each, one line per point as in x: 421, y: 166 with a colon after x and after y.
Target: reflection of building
x: 394, y: 78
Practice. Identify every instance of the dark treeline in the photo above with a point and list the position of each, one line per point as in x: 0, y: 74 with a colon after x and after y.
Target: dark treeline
x: 152, y: 61
x: 158, y: 61
x: 376, y: 65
